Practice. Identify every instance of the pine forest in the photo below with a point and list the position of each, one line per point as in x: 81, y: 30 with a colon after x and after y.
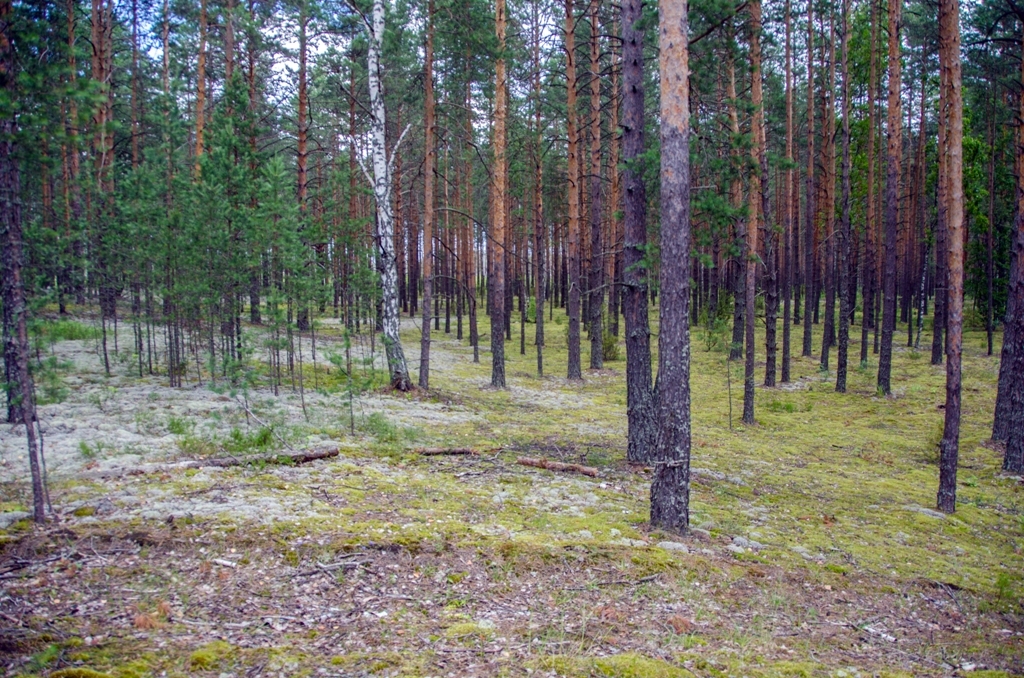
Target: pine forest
x: 678, y: 338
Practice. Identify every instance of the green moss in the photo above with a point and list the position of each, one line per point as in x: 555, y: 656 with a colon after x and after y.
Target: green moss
x: 84, y: 511
x: 210, y: 656
x: 79, y: 673
x: 629, y: 665
x: 466, y: 630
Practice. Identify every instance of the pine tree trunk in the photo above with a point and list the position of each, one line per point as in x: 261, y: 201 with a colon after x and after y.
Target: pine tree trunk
x: 787, y: 237
x: 428, y: 199
x: 892, y: 183
x: 642, y: 427
x: 670, y: 488
x: 574, y: 263
x: 1009, y: 412
x: 949, y: 448
x: 843, y: 246
x: 754, y: 210
x: 740, y: 232
x: 828, y: 153
x: 809, y: 295
x: 12, y: 258
x: 596, y: 246
x: 499, y: 212
x: 539, y: 229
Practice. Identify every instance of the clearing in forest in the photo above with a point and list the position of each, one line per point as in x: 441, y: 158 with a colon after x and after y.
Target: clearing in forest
x: 816, y: 551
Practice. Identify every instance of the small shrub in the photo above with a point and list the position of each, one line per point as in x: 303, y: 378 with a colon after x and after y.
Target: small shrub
x: 239, y: 442
x: 781, y: 406
x: 90, y: 451
x: 610, y: 347
x: 49, y: 377
x: 179, y: 427
x: 381, y: 428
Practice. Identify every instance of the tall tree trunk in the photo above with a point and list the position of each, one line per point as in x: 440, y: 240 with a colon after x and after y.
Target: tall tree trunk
x: 200, y: 84
x: 614, y: 266
x: 949, y: 60
x: 670, y: 488
x: 596, y: 250
x: 302, y: 154
x: 892, y: 195
x: 572, y: 129
x: 870, y: 228
x: 499, y: 212
x: 12, y: 287
x: 788, y: 259
x: 642, y: 426
x: 939, y: 318
x: 755, y: 207
x: 990, y: 232
x: 828, y: 207
x: 1009, y: 412
x: 809, y: 296
x: 843, y: 246
x: 471, y: 259
x: 736, y: 201
x: 428, y: 198
x: 385, y: 230
x: 539, y: 230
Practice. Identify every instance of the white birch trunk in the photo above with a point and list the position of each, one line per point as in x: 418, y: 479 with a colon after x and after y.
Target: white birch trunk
x: 385, y: 217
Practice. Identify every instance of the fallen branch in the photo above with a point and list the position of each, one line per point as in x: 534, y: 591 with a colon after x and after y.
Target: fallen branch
x: 438, y: 451
x: 557, y: 466
x: 221, y: 462
x: 293, y: 458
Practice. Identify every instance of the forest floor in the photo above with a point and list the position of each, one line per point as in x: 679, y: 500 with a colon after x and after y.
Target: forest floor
x: 815, y: 553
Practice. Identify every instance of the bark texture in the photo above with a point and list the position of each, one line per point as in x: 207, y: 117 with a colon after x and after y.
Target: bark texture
x: 949, y: 60
x: 670, y: 489
x: 892, y: 196
x: 639, y: 392
x: 385, y: 227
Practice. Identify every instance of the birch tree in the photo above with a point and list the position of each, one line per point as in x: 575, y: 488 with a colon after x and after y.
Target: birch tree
x: 384, y: 231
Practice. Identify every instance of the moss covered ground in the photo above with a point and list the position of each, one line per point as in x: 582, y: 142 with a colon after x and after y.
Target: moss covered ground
x: 815, y: 550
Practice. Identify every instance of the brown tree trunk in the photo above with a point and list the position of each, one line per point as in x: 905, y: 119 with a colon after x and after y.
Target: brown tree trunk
x: 20, y: 391
x: 539, y: 229
x: 949, y: 59
x: 596, y: 249
x: 939, y: 317
x: 642, y: 427
x: 572, y: 129
x: 499, y: 213
x: 843, y: 246
x: 1009, y: 412
x: 670, y: 488
x: 428, y: 198
x: 870, y: 229
x: 736, y: 200
x: 754, y: 211
x: 892, y: 183
x: 614, y: 246
x: 828, y: 207
x: 200, y: 84
x: 787, y: 209
x: 809, y: 296
x: 302, y: 154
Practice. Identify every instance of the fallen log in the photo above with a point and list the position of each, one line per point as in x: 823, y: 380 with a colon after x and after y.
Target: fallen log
x: 438, y: 451
x: 557, y: 466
